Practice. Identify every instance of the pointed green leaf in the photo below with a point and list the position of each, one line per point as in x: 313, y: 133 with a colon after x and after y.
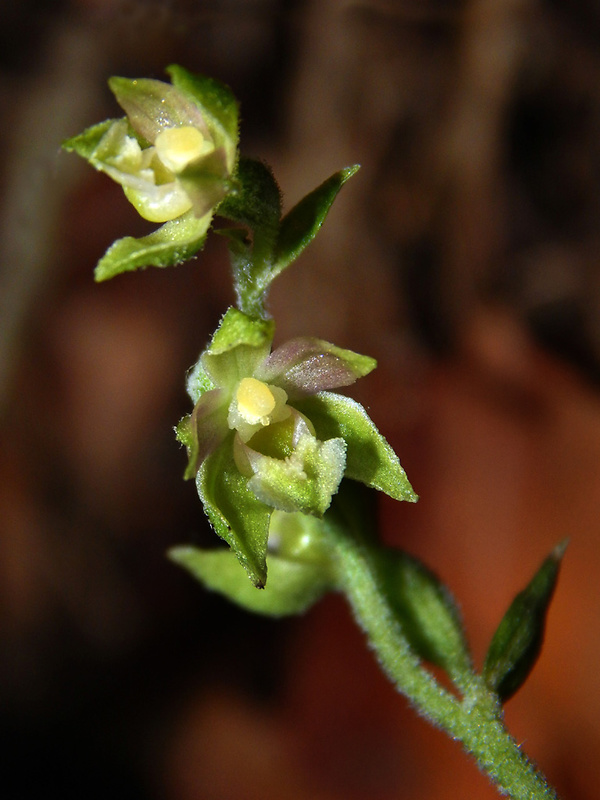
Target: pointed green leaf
x: 369, y: 459
x: 174, y: 242
x: 300, y: 226
x: 429, y: 616
x: 292, y: 586
x: 517, y: 642
x: 234, y: 511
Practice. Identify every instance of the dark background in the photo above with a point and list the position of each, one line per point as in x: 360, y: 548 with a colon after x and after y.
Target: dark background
x: 464, y: 256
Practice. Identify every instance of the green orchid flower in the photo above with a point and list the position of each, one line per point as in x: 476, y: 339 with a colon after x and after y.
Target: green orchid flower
x: 266, y: 433
x: 174, y: 155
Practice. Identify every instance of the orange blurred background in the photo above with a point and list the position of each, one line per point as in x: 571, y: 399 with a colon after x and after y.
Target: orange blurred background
x: 464, y: 256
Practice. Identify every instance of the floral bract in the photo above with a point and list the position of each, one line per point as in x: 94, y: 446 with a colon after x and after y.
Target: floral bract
x: 252, y: 447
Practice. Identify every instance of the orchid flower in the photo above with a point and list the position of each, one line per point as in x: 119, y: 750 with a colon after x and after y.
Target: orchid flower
x: 266, y: 432
x: 174, y: 154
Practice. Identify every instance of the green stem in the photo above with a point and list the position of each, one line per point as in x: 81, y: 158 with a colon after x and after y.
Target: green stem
x: 476, y: 720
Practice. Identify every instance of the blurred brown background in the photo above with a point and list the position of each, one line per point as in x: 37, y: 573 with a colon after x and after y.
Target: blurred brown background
x: 464, y: 256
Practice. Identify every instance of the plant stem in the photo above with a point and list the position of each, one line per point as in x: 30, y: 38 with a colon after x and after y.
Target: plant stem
x: 476, y: 720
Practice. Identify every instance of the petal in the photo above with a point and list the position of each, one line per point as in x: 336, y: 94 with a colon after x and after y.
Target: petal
x: 206, y: 181
x: 370, y: 459
x: 204, y: 429
x: 153, y: 106
x: 306, y: 366
x: 305, y: 481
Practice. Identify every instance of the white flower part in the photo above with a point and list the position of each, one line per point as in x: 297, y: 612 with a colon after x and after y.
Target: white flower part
x: 255, y: 405
x: 129, y: 157
x: 178, y: 147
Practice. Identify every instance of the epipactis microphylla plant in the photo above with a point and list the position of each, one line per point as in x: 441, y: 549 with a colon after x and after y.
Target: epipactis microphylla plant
x: 285, y: 466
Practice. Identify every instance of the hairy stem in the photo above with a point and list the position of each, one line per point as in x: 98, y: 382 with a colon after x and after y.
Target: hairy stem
x: 476, y: 719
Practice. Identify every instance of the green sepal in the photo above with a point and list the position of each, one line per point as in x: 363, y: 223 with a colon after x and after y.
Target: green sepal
x: 300, y: 225
x: 151, y: 106
x: 238, y: 346
x: 369, y: 458
x: 516, y: 645
x: 217, y: 103
x: 234, y: 511
x: 85, y: 144
x: 427, y: 612
x: 174, y: 242
x: 292, y: 588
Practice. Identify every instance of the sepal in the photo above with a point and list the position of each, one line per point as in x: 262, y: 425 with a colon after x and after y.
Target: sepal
x: 235, y: 512
x: 238, y: 346
x: 174, y: 242
x: 86, y: 143
x: 152, y: 106
x: 369, y: 459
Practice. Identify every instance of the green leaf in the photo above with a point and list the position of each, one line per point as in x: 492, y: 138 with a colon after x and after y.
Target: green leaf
x: 517, y: 642
x: 86, y: 143
x: 217, y: 103
x: 234, y: 511
x: 369, y: 459
x: 292, y: 586
x: 427, y: 612
x: 174, y: 242
x: 300, y: 226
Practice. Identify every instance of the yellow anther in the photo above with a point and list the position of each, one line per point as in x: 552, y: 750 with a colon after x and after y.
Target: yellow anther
x: 255, y: 401
x: 178, y: 147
